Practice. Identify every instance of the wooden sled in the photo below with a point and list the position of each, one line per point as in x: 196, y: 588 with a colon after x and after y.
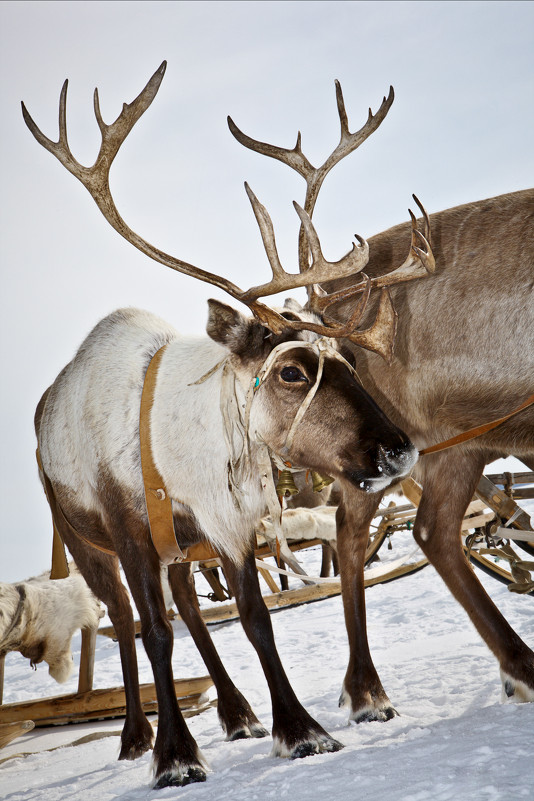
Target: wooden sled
x: 87, y: 704
x: 501, y: 531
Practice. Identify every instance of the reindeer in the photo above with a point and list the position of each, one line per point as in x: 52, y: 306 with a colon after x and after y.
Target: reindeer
x: 463, y: 356
x: 273, y: 388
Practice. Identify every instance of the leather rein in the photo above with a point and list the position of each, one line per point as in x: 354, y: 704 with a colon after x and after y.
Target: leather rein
x: 475, y: 432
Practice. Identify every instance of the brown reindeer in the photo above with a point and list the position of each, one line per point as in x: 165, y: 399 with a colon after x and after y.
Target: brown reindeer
x: 269, y: 389
x: 463, y: 356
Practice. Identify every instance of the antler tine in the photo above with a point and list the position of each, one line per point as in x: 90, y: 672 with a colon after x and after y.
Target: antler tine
x: 353, y: 262
x: 314, y: 176
x: 294, y: 158
x: 59, y: 149
x: 351, y: 141
x: 320, y: 270
x: 426, y: 220
x: 267, y: 232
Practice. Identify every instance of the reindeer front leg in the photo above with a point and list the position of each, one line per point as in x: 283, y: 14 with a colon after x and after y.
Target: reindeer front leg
x: 362, y: 688
x: 177, y: 759
x: 295, y: 732
x: 236, y: 717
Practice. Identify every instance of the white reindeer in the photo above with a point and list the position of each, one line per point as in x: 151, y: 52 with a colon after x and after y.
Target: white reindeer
x: 272, y: 388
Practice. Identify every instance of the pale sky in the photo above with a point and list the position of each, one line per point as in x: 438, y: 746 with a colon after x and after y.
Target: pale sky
x: 460, y: 129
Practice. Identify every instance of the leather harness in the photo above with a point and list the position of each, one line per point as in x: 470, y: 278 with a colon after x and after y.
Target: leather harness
x: 159, y: 504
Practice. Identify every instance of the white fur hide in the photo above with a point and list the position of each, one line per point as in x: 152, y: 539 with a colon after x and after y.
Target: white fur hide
x: 39, y: 616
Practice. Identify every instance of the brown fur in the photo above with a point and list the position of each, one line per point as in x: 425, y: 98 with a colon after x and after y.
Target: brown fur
x: 464, y: 355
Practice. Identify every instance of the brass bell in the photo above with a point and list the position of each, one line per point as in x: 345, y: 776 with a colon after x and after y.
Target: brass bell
x: 320, y: 482
x: 286, y: 486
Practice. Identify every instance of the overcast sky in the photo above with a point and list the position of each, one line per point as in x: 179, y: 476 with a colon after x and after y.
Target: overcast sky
x: 460, y: 129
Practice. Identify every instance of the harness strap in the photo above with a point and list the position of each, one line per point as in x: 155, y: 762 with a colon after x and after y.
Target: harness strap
x: 159, y: 505
x: 158, y: 502
x: 60, y: 568
x: 475, y: 432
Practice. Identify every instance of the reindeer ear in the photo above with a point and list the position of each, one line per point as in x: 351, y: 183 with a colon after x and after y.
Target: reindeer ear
x: 227, y: 326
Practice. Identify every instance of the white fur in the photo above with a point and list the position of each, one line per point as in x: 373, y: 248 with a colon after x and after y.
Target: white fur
x: 304, y: 524
x: 48, y: 612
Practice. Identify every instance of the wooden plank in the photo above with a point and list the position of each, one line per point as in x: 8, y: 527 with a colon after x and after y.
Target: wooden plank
x: 518, y: 478
x: 504, y: 506
x: 96, y: 704
x: 413, y: 491
x: 10, y: 731
x: 269, y: 580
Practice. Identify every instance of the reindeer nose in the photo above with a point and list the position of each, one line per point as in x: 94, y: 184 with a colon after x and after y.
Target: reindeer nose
x: 397, y: 459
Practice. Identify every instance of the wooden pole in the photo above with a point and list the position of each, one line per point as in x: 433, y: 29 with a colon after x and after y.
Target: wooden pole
x: 2, y: 665
x: 87, y: 660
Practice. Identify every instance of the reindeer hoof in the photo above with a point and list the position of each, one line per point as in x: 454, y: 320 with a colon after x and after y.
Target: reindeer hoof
x: 371, y: 714
x: 188, y: 776
x: 308, y: 749
x: 515, y: 690
x: 315, y: 743
x: 135, y: 744
x: 134, y: 751
x: 372, y: 706
x: 245, y: 732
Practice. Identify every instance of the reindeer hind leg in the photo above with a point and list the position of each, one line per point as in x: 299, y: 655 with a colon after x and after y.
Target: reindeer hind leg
x: 449, y: 481
x: 101, y: 572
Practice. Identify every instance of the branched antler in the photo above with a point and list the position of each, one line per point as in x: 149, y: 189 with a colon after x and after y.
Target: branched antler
x: 314, y: 176
x: 380, y: 336
x: 314, y: 272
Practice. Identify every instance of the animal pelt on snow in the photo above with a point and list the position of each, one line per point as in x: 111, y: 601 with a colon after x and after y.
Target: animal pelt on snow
x: 38, y: 617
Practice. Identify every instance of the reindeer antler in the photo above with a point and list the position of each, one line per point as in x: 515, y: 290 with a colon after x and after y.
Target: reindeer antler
x: 96, y: 181
x: 314, y: 176
x: 419, y: 262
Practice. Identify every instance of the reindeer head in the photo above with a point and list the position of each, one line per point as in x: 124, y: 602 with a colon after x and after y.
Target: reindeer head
x: 305, y: 402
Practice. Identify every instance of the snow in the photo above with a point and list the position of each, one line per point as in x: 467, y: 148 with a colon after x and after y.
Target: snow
x: 454, y: 737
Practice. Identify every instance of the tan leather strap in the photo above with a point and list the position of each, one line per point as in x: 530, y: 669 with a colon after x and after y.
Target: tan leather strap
x: 158, y: 502
x: 159, y: 505
x: 60, y: 568
x: 474, y: 432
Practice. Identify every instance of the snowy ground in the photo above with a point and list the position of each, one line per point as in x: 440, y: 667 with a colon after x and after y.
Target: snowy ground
x: 454, y: 738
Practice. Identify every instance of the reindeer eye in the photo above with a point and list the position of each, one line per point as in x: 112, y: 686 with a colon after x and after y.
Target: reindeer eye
x: 292, y: 375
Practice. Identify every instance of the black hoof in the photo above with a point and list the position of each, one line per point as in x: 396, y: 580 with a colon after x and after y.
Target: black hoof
x: 305, y: 750
x: 134, y: 751
x: 169, y: 779
x: 321, y: 746
x: 371, y: 715
x: 245, y: 732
